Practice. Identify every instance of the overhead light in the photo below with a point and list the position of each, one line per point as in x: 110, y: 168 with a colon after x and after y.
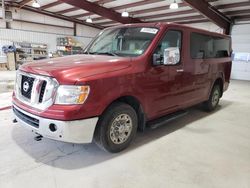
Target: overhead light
x: 89, y: 20
x: 174, y: 5
x: 125, y: 14
x: 35, y: 4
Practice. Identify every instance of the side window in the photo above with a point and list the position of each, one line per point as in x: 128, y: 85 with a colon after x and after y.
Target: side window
x: 172, y: 39
x: 201, y: 46
x: 205, y: 46
x: 221, y: 47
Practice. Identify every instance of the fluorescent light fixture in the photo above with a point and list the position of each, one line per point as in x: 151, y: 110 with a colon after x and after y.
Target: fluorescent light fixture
x: 174, y: 5
x: 125, y: 14
x: 89, y: 20
x: 35, y: 4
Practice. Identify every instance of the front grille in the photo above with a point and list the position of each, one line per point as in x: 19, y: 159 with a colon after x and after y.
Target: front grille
x: 33, y: 89
x: 27, y: 119
x: 42, y: 91
x: 26, y: 86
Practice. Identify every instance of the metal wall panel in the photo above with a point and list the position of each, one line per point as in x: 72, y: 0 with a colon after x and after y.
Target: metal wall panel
x: 36, y: 37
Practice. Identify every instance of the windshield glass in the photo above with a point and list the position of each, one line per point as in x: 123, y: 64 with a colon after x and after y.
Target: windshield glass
x: 131, y: 41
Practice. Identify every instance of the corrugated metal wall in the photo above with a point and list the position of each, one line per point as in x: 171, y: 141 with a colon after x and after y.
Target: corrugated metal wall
x: 39, y: 33
x: 35, y: 37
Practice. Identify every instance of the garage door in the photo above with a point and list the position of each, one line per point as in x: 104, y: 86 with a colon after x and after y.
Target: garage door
x: 241, y: 48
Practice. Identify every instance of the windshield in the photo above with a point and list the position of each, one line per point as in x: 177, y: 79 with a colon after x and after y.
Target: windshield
x: 131, y: 41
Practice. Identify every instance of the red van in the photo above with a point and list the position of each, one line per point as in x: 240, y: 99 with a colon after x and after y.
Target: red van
x: 130, y: 76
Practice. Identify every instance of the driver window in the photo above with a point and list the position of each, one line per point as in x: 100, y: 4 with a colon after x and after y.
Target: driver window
x: 171, y: 39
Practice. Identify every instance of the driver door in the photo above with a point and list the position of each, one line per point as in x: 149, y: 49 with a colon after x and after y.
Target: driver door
x: 169, y: 78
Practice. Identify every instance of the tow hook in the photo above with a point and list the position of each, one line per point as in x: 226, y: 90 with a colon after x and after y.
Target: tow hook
x: 14, y: 121
x: 38, y: 137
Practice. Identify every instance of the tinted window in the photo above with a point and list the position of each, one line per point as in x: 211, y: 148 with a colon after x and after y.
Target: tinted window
x: 205, y: 46
x: 221, y: 47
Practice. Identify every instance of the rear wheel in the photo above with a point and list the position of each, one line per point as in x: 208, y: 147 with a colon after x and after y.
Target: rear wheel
x: 214, y: 99
x: 116, y: 128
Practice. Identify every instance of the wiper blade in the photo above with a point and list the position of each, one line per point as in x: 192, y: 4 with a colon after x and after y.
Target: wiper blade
x: 103, y: 53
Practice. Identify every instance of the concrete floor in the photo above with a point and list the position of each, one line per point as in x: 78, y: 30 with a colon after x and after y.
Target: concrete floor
x: 198, y: 150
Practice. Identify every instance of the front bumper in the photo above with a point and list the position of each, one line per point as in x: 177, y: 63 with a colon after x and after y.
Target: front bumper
x: 77, y: 131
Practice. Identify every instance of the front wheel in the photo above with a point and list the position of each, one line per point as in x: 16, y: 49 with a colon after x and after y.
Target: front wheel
x: 116, y: 128
x: 214, y: 99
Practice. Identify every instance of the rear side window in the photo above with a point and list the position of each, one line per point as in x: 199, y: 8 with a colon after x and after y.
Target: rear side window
x: 205, y: 46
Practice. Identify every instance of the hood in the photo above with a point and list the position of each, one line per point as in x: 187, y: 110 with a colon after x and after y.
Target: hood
x: 72, y: 68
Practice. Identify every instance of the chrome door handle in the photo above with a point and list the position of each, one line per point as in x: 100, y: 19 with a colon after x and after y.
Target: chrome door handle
x: 179, y: 70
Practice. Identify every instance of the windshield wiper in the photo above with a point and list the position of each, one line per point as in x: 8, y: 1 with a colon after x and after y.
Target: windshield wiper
x: 103, y: 53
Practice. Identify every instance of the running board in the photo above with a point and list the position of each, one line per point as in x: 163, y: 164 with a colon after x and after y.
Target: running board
x: 165, y: 119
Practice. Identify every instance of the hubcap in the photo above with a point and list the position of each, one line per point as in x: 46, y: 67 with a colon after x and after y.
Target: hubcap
x: 215, y: 98
x: 121, y: 129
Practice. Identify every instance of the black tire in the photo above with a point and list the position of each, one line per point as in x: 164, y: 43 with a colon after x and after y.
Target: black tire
x: 106, y: 131
x: 213, y: 100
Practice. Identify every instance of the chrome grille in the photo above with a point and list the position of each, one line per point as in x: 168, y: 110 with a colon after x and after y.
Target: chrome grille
x: 26, y: 86
x: 42, y: 91
x: 35, y: 90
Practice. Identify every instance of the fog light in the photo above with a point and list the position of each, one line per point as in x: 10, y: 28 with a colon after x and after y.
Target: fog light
x: 52, y: 127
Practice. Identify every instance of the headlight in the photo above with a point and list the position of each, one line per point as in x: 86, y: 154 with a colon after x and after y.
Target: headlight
x: 67, y: 94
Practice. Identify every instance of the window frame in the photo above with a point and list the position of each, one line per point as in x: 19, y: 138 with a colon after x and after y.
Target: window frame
x: 160, y: 41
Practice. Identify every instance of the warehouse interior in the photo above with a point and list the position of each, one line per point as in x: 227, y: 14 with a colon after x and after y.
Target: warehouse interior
x: 199, y: 149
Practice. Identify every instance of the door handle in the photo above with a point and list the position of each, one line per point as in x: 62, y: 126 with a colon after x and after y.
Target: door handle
x: 179, y: 70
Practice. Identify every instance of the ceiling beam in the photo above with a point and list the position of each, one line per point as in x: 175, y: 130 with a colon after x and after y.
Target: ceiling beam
x: 237, y: 12
x: 47, y: 13
x: 193, y: 21
x: 100, y: 2
x: 211, y: 13
x: 75, y: 8
x: 136, y: 4
x: 233, y: 5
x: 187, y: 18
x: 67, y: 10
x: 158, y: 15
x: 149, y: 10
x: 104, y: 1
x: 102, y: 11
x: 179, y: 19
x: 155, y: 9
x: 50, y: 5
x: 24, y: 2
x: 126, y: 6
x: 242, y: 18
x: 139, y: 3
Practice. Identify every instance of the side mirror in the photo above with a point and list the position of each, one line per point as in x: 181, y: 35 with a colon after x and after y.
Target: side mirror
x: 171, y: 56
x: 157, y: 59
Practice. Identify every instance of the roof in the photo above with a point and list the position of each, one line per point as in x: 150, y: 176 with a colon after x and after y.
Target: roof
x: 139, y: 10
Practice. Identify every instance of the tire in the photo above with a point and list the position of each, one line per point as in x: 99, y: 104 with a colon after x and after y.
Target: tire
x: 213, y: 100
x: 116, y: 128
